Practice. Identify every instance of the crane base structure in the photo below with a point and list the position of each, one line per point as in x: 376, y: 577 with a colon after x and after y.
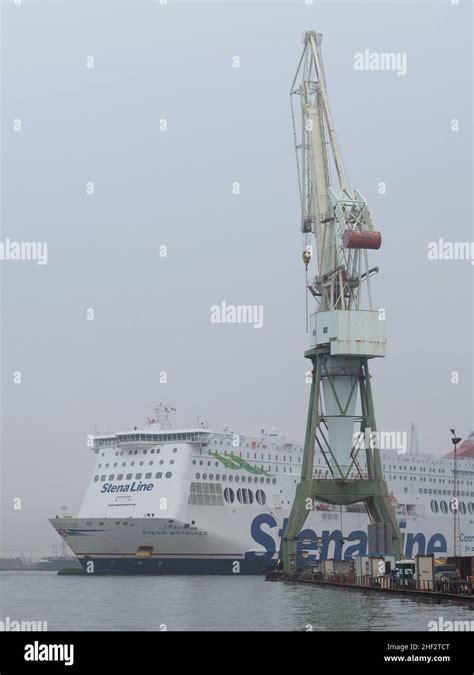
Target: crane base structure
x: 370, y: 488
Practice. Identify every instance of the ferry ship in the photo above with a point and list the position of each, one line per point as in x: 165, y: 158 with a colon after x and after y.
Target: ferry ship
x: 166, y: 500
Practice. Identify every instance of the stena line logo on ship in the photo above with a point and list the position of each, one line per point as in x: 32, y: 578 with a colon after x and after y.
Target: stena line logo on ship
x: 128, y: 487
x: 333, y: 543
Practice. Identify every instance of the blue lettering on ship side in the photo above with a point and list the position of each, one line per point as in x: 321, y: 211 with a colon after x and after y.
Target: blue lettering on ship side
x: 331, y: 543
x: 127, y: 487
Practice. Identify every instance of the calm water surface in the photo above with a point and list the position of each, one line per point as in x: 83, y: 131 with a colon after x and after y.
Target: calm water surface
x: 205, y: 603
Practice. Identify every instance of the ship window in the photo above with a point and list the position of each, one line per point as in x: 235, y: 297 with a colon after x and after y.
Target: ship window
x: 111, y: 477
x: 262, y: 480
x: 229, y: 495
x: 237, y: 478
x: 261, y: 497
x: 443, y: 506
x: 211, y: 476
x: 158, y: 475
x: 138, y: 475
x: 119, y: 476
x: 462, y: 507
x: 168, y: 474
x: 231, y: 478
x: 470, y: 508
x: 274, y: 481
x: 434, y: 506
x: 198, y: 475
x: 255, y: 480
x: 204, y: 476
x: 175, y: 449
x: 161, y: 461
x: 96, y: 478
x: 129, y: 476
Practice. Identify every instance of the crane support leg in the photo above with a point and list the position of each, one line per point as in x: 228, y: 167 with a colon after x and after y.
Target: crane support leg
x: 340, y: 489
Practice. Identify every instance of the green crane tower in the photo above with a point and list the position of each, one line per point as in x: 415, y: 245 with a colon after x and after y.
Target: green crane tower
x: 345, y: 331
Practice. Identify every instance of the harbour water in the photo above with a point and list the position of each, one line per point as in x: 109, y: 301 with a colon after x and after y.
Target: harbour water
x: 204, y: 603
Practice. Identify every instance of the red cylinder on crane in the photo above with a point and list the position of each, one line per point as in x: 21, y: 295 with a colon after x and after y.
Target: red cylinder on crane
x: 357, y: 239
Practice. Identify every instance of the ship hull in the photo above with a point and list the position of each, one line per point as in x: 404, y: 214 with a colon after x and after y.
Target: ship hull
x: 234, y: 543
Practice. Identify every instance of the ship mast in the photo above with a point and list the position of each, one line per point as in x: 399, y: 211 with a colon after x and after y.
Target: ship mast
x: 344, y: 330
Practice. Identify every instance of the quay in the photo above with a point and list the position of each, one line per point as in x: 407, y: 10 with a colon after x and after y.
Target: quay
x: 453, y: 592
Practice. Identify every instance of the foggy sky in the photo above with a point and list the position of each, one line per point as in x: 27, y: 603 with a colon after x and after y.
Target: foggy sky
x: 174, y: 188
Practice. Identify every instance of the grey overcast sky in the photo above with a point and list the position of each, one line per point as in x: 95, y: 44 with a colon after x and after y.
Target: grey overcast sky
x: 174, y: 188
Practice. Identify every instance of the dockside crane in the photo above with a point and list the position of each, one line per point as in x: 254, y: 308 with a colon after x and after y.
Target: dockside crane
x: 345, y: 331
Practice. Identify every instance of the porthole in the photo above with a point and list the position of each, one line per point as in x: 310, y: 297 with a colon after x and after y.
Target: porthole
x: 175, y: 449
x: 168, y: 474
x: 204, y: 476
x: 96, y: 478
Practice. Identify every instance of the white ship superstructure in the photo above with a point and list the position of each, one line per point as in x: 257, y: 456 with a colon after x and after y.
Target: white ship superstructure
x: 168, y: 501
